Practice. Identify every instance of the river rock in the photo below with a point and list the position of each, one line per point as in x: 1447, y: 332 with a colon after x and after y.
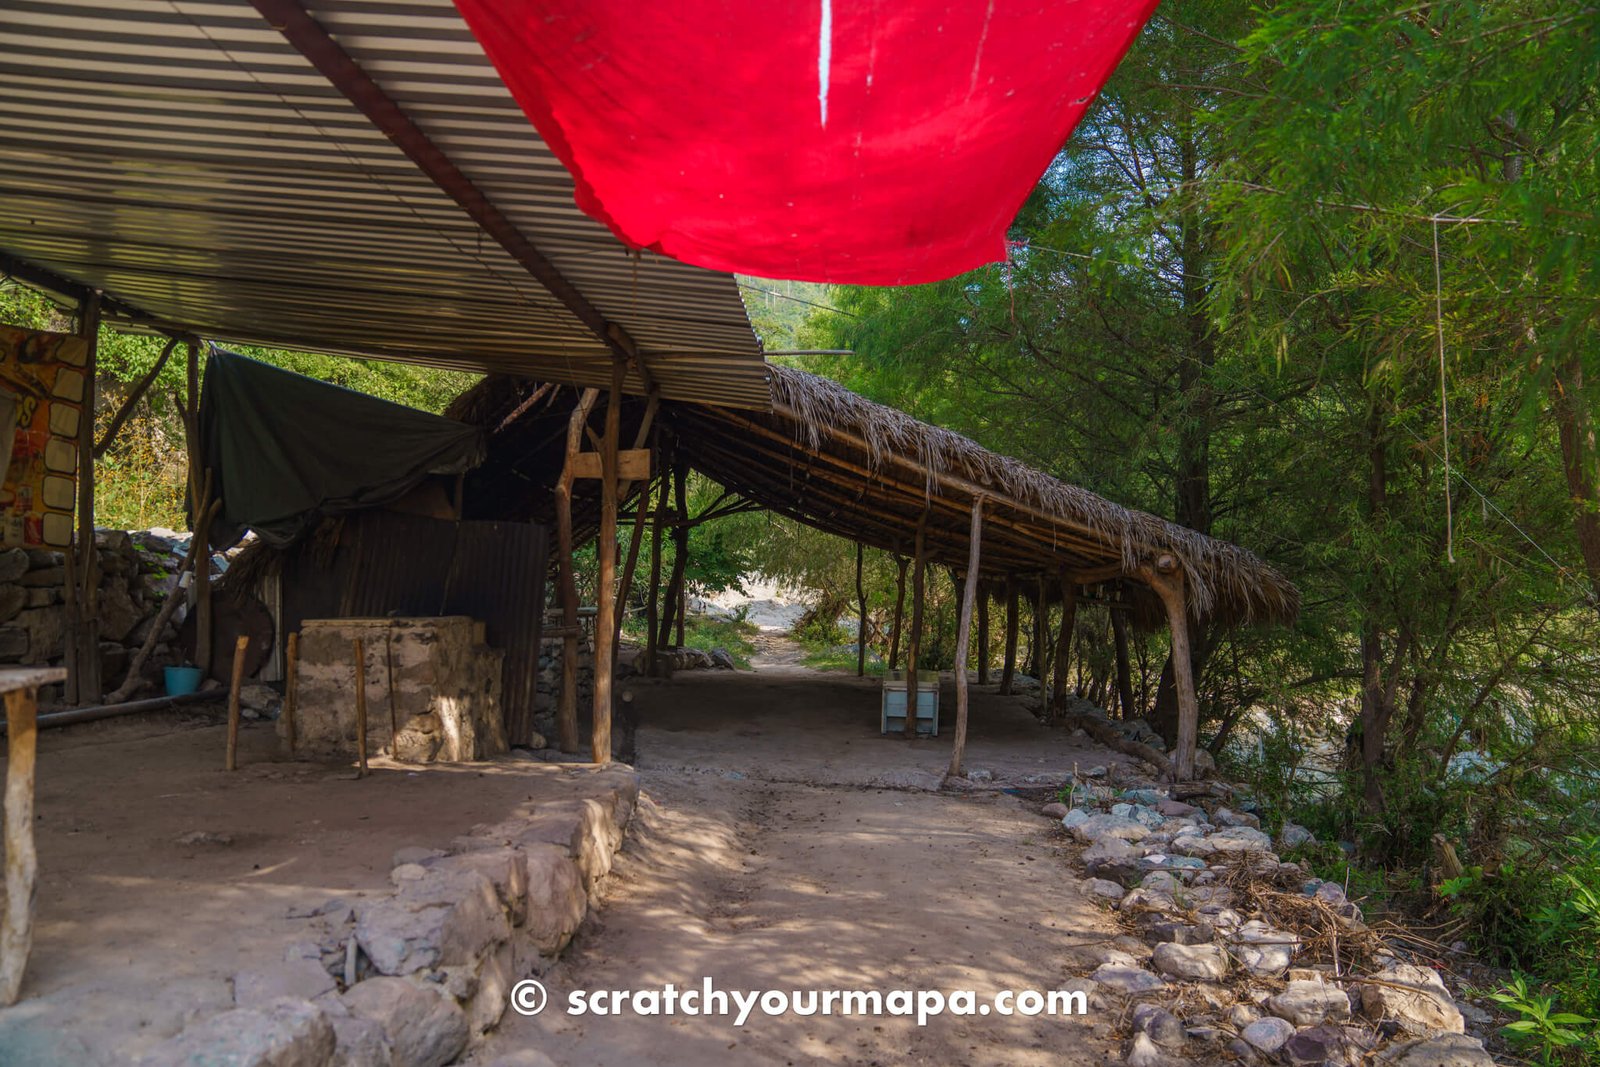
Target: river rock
x: 1197, y: 963
x: 1307, y: 1003
x: 1096, y: 827
x: 1239, y: 839
x: 425, y: 1028
x: 1112, y: 858
x: 1413, y: 996
x: 443, y: 918
x: 1163, y: 1027
x: 1228, y: 817
x: 1126, y: 979
x: 1262, y: 950
x: 1268, y: 1033
x: 1446, y: 1050
x: 1294, y: 835
x: 288, y: 1033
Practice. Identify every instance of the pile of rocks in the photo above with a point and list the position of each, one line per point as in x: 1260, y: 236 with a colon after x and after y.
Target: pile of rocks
x: 138, y: 570
x: 1189, y: 881
x: 548, y: 686
x: 414, y: 977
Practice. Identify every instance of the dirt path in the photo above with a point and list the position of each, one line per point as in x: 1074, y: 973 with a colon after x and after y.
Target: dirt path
x: 778, y: 853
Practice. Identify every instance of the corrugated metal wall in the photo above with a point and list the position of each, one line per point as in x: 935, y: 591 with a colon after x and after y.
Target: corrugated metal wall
x: 386, y: 563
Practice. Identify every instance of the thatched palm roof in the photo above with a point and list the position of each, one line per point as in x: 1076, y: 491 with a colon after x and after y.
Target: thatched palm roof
x: 839, y: 462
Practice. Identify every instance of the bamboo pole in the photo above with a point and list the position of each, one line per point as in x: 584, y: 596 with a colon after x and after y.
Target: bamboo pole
x: 914, y: 646
x: 360, y: 653
x: 291, y: 685
x: 983, y: 635
x: 235, y: 680
x: 963, y: 635
x: 606, y: 584
x: 861, y: 609
x: 1069, y: 619
x: 899, y: 611
x: 1165, y: 576
x: 22, y: 858
x: 567, y: 700
x: 1008, y: 667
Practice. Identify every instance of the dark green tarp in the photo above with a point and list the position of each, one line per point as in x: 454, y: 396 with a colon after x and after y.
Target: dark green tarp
x: 287, y: 450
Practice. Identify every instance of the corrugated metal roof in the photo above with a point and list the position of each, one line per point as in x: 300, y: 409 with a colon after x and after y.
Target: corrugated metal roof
x: 185, y: 158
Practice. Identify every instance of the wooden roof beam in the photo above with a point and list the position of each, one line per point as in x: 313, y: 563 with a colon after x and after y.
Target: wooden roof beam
x: 311, y: 40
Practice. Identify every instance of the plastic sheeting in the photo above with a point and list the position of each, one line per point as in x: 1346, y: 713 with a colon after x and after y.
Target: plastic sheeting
x: 855, y: 141
x: 286, y: 450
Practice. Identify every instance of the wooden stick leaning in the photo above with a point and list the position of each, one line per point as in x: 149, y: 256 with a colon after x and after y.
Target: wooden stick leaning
x: 291, y: 683
x: 361, y: 706
x: 240, y: 646
x: 394, y: 710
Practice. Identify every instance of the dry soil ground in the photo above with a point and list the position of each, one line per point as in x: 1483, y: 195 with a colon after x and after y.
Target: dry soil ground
x: 790, y: 846
x: 161, y: 875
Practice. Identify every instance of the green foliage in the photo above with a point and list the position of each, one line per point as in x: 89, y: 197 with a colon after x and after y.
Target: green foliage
x: 141, y: 480
x: 1541, y: 1029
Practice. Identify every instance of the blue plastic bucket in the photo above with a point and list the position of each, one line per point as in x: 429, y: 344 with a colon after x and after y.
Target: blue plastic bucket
x: 182, y: 680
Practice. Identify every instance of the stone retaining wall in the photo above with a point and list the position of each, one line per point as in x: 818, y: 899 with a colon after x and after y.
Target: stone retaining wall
x: 415, y: 977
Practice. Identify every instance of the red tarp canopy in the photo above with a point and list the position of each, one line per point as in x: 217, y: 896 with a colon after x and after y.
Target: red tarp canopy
x: 852, y: 141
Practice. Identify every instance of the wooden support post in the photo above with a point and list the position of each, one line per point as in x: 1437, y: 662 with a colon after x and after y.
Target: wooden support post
x: 359, y: 651
x: 641, y: 508
x: 963, y: 635
x: 567, y: 700
x: 1119, y: 638
x: 21, y: 859
x: 899, y: 611
x: 84, y: 684
x: 291, y: 688
x: 235, y: 681
x: 1165, y: 576
x: 394, y: 708
x: 914, y: 646
x: 861, y: 610
x: 680, y: 485
x: 983, y: 634
x: 1069, y: 618
x: 1041, y: 637
x: 1008, y: 668
x: 652, y: 617
x: 672, y: 617
x: 606, y: 584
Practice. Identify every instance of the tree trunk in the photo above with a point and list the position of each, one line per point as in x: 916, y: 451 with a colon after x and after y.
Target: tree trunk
x: 605, y: 670
x: 1580, y: 462
x: 1069, y: 618
x: 861, y: 612
x: 914, y: 646
x: 899, y: 612
x: 963, y: 635
x: 1119, y: 637
x: 1008, y: 667
x: 983, y: 635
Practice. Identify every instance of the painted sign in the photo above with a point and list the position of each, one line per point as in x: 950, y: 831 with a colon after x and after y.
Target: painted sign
x: 41, y: 401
